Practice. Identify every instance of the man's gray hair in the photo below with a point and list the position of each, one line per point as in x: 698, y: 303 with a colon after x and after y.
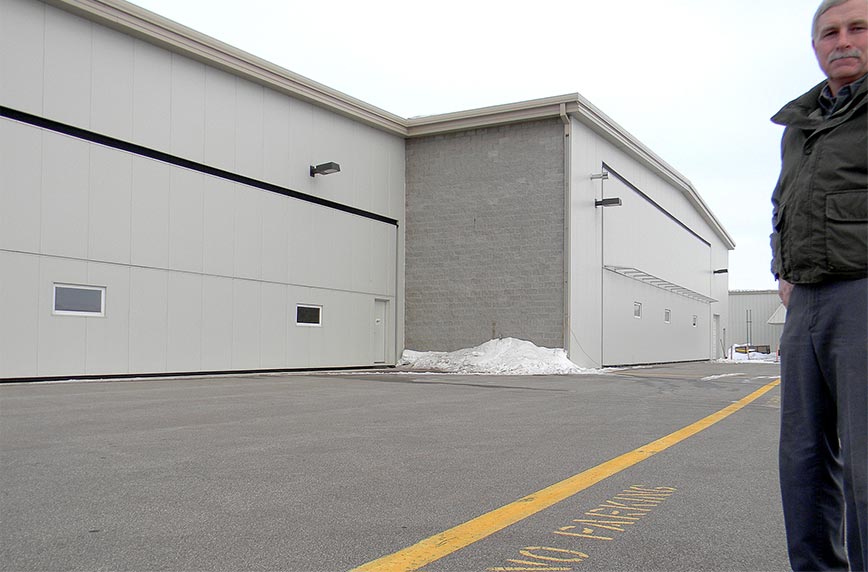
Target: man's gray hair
x: 824, y: 7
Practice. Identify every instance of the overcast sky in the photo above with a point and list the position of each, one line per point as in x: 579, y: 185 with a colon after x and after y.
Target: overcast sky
x: 695, y: 80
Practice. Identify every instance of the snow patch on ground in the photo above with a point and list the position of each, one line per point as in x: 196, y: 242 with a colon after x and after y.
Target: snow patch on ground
x: 507, y: 356
x: 752, y: 357
x: 711, y: 377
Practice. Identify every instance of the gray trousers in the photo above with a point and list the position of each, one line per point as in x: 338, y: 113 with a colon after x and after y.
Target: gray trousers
x: 824, y: 405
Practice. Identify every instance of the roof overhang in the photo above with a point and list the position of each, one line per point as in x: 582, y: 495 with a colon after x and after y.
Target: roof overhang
x: 141, y: 23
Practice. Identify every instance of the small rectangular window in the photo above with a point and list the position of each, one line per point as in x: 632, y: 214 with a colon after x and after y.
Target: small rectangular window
x: 72, y: 300
x: 667, y: 315
x: 308, y: 315
x: 637, y: 310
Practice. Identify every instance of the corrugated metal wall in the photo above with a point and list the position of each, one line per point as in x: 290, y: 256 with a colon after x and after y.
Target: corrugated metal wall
x: 749, y: 312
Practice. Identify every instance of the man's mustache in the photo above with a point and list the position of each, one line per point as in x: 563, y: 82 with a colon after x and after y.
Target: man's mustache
x: 841, y: 55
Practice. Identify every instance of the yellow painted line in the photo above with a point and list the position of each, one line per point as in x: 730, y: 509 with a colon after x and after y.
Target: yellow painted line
x: 443, y: 544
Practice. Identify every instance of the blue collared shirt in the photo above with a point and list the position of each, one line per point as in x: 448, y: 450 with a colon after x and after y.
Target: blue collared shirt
x: 829, y: 103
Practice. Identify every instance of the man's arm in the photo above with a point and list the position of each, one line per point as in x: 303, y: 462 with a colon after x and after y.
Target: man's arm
x: 775, y: 237
x: 784, y: 291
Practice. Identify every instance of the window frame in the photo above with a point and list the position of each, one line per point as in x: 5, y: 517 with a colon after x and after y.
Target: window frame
x: 637, y: 310
x: 81, y: 313
x: 317, y: 307
x: 667, y: 315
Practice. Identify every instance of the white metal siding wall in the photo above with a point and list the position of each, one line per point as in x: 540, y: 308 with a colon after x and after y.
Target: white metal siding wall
x: 641, y: 236
x: 720, y: 292
x: 638, y: 235
x: 649, y: 339
x: 188, y: 288
x: 201, y: 273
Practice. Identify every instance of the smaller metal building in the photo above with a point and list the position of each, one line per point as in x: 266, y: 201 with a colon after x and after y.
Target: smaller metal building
x: 749, y: 315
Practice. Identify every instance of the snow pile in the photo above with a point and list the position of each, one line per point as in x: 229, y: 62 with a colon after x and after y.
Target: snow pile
x: 753, y: 357
x: 507, y: 356
x: 745, y: 353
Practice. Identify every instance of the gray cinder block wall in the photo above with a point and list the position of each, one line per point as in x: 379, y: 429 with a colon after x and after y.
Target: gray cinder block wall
x: 485, y: 237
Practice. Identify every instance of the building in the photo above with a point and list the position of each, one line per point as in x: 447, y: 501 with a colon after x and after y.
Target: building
x: 158, y: 213
x: 161, y: 212
x: 547, y: 221
x: 756, y: 318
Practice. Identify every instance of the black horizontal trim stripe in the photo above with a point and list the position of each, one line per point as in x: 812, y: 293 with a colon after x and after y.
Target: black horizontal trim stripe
x: 657, y: 206
x: 135, y: 149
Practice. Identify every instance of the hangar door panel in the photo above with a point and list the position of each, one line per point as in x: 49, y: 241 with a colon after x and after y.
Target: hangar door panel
x: 641, y: 235
x: 656, y: 282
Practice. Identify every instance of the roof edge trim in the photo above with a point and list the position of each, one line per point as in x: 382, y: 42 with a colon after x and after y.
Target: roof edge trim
x: 591, y: 116
x: 176, y: 37
x: 581, y: 110
x: 490, y: 116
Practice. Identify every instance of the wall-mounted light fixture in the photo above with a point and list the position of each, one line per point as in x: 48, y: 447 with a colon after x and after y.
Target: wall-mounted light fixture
x: 610, y: 202
x: 324, y: 169
x: 721, y: 271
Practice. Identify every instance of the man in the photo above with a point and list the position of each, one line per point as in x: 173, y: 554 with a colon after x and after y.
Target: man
x: 820, y: 257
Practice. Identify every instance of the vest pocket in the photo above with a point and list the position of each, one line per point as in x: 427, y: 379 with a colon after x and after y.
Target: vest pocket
x: 847, y: 230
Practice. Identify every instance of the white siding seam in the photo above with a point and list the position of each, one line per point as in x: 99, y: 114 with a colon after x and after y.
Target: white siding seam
x: 129, y: 268
x: 202, y: 254
x: 259, y: 329
x: 203, y: 274
x: 90, y: 169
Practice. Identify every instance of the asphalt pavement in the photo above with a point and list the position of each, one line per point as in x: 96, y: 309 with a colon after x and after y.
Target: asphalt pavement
x: 332, y: 471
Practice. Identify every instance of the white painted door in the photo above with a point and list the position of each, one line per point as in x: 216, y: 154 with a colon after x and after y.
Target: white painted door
x: 715, y: 338
x: 380, y: 307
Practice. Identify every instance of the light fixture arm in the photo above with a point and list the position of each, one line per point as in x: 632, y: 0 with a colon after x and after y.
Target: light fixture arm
x: 325, y: 169
x: 610, y: 202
